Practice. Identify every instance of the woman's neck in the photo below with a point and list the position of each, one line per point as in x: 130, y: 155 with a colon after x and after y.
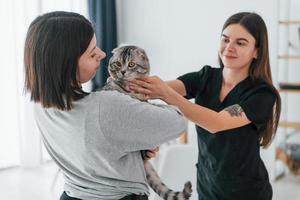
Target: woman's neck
x: 231, y: 77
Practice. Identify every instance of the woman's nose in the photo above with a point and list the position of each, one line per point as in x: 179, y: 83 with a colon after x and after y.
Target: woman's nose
x: 102, y: 54
x: 229, y: 46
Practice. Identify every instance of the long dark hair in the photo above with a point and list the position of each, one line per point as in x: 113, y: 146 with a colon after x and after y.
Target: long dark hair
x: 260, y: 69
x: 53, y: 45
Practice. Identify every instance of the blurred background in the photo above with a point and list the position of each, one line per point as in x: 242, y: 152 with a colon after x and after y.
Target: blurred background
x: 179, y: 37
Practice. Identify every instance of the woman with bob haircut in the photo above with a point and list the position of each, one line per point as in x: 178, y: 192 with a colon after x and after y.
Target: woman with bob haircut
x: 95, y: 138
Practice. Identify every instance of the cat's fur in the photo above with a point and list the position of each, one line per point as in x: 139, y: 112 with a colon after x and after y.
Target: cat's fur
x: 126, y: 64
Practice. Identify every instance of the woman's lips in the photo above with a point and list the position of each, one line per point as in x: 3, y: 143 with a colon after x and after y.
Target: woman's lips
x: 230, y: 57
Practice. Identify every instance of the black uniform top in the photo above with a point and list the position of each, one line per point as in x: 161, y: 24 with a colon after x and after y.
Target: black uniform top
x: 229, y: 164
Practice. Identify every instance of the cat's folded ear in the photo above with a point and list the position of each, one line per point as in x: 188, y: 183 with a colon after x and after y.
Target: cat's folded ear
x: 114, y: 50
x: 142, y: 53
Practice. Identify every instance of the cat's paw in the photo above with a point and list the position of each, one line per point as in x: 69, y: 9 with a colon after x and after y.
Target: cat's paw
x: 187, y: 190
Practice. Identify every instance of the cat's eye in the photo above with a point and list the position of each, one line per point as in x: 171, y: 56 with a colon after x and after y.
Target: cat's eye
x: 117, y: 64
x: 131, y: 64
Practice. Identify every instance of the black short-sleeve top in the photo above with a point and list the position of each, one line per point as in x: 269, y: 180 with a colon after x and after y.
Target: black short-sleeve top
x: 229, y: 164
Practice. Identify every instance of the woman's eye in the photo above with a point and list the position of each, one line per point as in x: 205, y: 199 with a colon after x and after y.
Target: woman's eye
x: 93, y: 55
x: 241, y: 43
x: 131, y: 64
x: 225, y: 40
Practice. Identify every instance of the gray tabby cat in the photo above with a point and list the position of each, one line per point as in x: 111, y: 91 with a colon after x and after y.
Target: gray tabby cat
x: 128, y: 63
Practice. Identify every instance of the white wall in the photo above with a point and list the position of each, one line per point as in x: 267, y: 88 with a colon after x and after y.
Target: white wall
x: 182, y: 36
x: 19, y: 138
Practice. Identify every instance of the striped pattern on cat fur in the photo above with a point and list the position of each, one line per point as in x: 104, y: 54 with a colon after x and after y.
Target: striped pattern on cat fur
x: 161, y: 189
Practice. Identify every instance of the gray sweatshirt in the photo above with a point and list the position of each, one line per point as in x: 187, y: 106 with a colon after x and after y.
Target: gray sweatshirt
x: 97, y: 144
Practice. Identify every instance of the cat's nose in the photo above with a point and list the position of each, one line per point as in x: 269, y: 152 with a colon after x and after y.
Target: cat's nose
x: 123, y: 72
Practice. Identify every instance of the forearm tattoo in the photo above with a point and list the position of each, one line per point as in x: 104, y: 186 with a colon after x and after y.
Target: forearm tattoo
x: 234, y: 110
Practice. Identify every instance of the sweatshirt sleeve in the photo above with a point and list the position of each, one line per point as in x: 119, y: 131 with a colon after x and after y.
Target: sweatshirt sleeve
x: 132, y: 125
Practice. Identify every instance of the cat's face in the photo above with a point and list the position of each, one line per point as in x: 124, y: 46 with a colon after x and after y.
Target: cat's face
x: 128, y: 63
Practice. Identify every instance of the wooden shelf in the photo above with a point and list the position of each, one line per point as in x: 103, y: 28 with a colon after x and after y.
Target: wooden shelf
x: 289, y: 91
x: 293, y: 86
x: 288, y: 124
x: 292, y: 57
x: 289, y: 22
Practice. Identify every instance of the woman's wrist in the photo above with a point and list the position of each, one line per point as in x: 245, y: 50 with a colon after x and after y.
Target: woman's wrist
x: 170, y: 96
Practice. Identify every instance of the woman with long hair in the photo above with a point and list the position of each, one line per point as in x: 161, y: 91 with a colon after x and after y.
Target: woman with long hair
x: 236, y: 111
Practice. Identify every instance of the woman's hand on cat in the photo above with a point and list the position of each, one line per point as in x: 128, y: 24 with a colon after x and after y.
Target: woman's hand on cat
x: 151, y: 86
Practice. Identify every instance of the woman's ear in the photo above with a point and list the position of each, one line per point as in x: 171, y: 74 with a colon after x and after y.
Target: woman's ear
x: 255, y: 53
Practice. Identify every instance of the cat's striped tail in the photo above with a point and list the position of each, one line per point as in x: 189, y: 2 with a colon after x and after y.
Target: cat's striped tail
x: 162, y: 190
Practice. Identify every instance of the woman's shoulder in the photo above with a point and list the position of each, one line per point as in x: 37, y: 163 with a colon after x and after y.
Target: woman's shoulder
x: 209, y: 68
x: 261, y: 85
x: 204, y: 71
x: 251, y: 87
x: 210, y: 72
x: 106, y: 96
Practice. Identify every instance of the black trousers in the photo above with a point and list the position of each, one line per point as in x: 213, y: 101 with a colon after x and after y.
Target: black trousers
x: 64, y: 196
